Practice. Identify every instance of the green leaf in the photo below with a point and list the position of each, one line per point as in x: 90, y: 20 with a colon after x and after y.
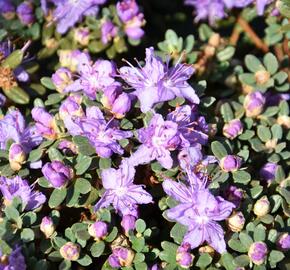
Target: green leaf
x: 17, y: 94
x: 57, y: 197
x: 138, y: 243
x: 264, y: 133
x: 276, y: 256
x: 227, y: 261
x: 271, y: 63
x: 27, y: 235
x: 253, y: 63
x: 169, y: 252
x: 246, y: 240
x: 204, y: 260
x: 246, y: 135
x: 83, y: 164
x: 177, y: 232
x: 85, y: 260
x: 218, y: 149
x: 65, y: 265
x: 242, y: 177
x: 259, y: 233
x: 112, y: 235
x: 83, y: 145
x: 226, y: 54
x: 227, y: 112
x: 105, y: 163
x: 140, y: 225
x: 237, y: 245
x: 47, y: 82
x: 11, y: 213
x: 97, y: 249
x: 277, y: 132
x: 35, y: 155
x: 242, y: 260
x: 13, y: 60
x: 83, y: 186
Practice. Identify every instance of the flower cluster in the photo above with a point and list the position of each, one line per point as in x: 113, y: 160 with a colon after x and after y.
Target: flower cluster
x: 177, y: 160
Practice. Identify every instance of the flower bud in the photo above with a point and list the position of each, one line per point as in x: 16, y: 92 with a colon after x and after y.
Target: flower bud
x: 61, y: 79
x: 283, y: 242
x: 121, y: 256
x: 247, y: 89
x: 67, y: 147
x: 82, y: 36
x: 25, y: 13
x: 47, y: 226
x: 109, y: 31
x: 45, y: 123
x: 128, y: 223
x: 268, y: 171
x: 262, y: 76
x: 233, y: 129
x: 284, y: 120
x: 254, y: 104
x: 258, y: 252
x: 71, y: 107
x: 110, y: 94
x: 207, y: 249
x: 133, y: 27
x: 236, y: 222
x: 126, y: 10
x: 183, y: 256
x: 57, y: 173
x: 230, y: 163
x: 234, y: 195
x: 271, y: 144
x: 262, y: 207
x: 70, y: 251
x: 98, y: 230
x: 7, y: 10
x: 121, y: 105
x: 17, y: 156
x: 71, y: 58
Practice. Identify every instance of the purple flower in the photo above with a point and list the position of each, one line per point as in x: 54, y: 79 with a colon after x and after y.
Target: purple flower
x: 183, y: 256
x: 233, y: 128
x: 17, y: 187
x: 230, y: 163
x: 98, y: 230
x: 128, y: 223
x: 192, y: 128
x: 258, y: 252
x: 57, y: 174
x: 70, y: 251
x: 93, y: 77
x: 199, y: 210
x: 61, y: 79
x: 16, y: 260
x: 121, y: 256
x: 283, y: 242
x: 133, y: 27
x: 236, y: 222
x: 45, y: 123
x: 237, y: 3
x: 156, y: 82
x: 261, y: 5
x: 71, y: 106
x: 234, y: 195
x: 127, y: 10
x: 2, y: 100
x: 102, y: 135
x: 12, y: 127
x: 268, y: 171
x: 212, y: 10
x: 68, y: 13
x: 67, y: 147
x: 25, y: 13
x: 109, y: 31
x: 192, y: 157
x: 254, y: 104
x: 158, y: 139
x: 71, y: 59
x: 47, y: 226
x: 121, y: 192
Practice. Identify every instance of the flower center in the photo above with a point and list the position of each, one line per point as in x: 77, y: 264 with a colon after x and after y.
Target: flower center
x: 121, y: 191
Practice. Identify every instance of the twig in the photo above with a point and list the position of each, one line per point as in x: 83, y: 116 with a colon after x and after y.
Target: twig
x: 248, y: 29
x: 235, y: 36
